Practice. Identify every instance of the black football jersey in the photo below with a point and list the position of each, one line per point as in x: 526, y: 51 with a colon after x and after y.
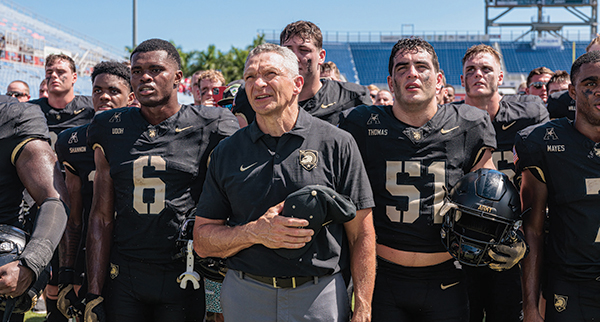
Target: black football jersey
x: 560, y: 104
x: 157, y: 171
x: 516, y: 112
x: 411, y: 168
x: 78, y: 112
x: 19, y: 123
x: 569, y: 164
x: 328, y: 103
x: 77, y: 158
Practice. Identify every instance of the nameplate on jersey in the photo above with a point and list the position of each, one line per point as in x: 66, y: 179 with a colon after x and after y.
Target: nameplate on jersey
x: 308, y: 159
x: 79, y: 149
x: 378, y: 132
x: 555, y: 148
x: 118, y: 130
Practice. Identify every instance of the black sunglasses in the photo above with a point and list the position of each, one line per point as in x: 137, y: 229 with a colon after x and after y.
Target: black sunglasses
x: 16, y: 94
x: 539, y: 85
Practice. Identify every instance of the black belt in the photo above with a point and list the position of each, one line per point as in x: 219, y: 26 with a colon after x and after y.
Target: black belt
x: 282, y: 282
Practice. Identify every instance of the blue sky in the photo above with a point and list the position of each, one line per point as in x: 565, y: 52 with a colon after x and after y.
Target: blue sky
x: 196, y: 24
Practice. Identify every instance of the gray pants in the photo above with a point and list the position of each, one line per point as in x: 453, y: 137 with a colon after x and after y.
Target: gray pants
x: 249, y: 300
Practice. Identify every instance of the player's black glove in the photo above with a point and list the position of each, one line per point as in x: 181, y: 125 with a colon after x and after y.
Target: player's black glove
x: 506, y: 256
x: 68, y: 303
x: 94, y: 308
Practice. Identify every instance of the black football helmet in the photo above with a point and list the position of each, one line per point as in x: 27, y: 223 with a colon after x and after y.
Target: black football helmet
x: 482, y: 210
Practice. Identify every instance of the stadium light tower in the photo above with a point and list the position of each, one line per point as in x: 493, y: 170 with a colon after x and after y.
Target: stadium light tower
x: 134, y: 24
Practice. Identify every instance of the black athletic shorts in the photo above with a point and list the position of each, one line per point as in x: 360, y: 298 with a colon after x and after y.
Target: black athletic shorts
x: 420, y: 294
x: 138, y: 291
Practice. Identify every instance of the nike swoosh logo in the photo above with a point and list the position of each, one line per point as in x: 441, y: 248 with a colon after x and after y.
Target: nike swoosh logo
x: 177, y: 130
x: 448, y: 131
x: 242, y: 168
x: 445, y: 287
x: 78, y: 111
x: 504, y: 127
x: 327, y: 105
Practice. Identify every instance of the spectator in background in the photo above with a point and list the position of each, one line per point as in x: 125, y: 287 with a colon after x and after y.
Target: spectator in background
x: 207, y: 81
x: 522, y: 88
x: 384, y: 97
x: 373, y: 90
x: 559, y: 82
x: 19, y: 90
x: 43, y: 92
x: 537, y: 82
x: 594, y: 44
x: 330, y: 71
x: 449, y: 97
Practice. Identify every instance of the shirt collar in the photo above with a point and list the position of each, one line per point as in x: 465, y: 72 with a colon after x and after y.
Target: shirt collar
x: 301, y: 128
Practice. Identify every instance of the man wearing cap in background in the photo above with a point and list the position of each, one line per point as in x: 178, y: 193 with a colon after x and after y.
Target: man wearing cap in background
x: 276, y: 267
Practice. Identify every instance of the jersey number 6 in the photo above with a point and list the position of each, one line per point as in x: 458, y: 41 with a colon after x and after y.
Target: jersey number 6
x: 142, y: 184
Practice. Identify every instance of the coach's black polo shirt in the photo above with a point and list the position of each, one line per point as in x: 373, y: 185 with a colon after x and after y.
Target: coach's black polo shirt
x: 252, y: 171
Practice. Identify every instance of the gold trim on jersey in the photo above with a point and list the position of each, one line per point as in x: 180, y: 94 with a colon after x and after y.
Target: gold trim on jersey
x: 70, y: 167
x: 18, y: 148
x: 539, y: 172
x: 97, y: 145
x: 479, y: 155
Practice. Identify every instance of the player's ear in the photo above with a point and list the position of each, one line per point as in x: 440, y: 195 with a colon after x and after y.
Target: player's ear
x: 130, y: 98
x: 390, y: 82
x: 462, y: 80
x: 500, y: 78
x: 572, y: 92
x: 321, y: 56
x: 178, y: 78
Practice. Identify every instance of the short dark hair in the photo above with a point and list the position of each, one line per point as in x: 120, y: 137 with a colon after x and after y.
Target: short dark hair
x: 156, y: 45
x: 538, y: 71
x: 53, y: 58
x: 413, y: 44
x: 112, y: 68
x: 481, y: 49
x: 303, y: 29
x: 587, y: 58
x: 560, y: 76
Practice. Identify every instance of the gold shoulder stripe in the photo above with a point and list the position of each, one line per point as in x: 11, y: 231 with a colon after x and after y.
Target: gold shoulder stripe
x: 97, y: 145
x: 479, y: 155
x: 18, y: 149
x: 538, y: 171
x: 70, y: 167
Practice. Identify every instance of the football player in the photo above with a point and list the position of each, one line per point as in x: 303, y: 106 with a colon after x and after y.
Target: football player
x: 325, y: 99
x: 415, y: 151
x: 250, y: 175
x: 560, y: 161
x: 111, y: 88
x: 150, y: 166
x: 497, y: 293
x: 537, y: 82
x: 63, y: 109
x: 28, y: 162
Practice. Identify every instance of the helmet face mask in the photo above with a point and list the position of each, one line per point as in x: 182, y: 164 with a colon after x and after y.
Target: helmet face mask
x: 482, y: 211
